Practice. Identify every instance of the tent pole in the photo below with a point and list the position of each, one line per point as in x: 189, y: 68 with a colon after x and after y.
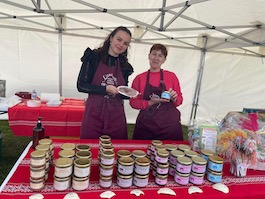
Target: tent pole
x: 60, y: 56
x: 195, y: 102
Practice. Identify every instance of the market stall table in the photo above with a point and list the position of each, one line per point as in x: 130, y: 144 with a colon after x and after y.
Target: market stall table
x: 16, y: 185
x: 64, y: 120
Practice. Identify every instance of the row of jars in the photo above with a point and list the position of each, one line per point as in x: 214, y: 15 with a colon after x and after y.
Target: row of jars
x: 40, y: 161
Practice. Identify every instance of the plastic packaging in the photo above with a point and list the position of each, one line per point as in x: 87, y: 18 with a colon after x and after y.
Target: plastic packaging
x: 38, y: 133
x: 34, y: 95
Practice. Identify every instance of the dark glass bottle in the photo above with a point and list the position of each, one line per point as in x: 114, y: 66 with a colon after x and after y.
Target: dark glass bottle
x: 38, y: 133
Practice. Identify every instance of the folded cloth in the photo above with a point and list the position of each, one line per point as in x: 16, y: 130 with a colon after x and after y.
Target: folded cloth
x: 6, y: 103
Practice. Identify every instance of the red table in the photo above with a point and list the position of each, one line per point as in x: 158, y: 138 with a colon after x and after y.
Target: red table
x: 64, y: 120
x: 17, y: 185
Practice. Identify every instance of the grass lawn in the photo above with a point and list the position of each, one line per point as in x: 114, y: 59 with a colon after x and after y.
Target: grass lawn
x: 13, y: 146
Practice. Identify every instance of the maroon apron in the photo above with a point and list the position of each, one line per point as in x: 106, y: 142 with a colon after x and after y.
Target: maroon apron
x: 159, y: 121
x: 105, y: 114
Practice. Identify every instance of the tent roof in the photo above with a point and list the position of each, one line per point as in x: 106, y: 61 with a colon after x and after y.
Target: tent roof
x: 235, y: 26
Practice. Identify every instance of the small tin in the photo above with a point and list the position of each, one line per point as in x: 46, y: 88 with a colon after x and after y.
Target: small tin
x: 198, y: 164
x: 215, y: 163
x: 37, y: 184
x: 123, y: 153
x: 63, y: 167
x: 107, y: 158
x: 37, y: 158
x: 105, y: 181
x: 142, y: 166
x: 181, y: 178
x: 44, y: 147
x: 68, y: 146
x: 171, y: 147
x: 165, y: 95
x: 154, y: 143
x: 138, y: 154
x: 125, y: 165
x: 196, y: 178
x: 124, y: 181
x: 162, y: 156
x: 183, y: 165
x: 205, y: 153
x: 61, y: 184
x: 161, y: 179
x: 106, y: 170
x: 80, y: 184
x: 37, y: 172
x: 140, y: 180
x: 81, y: 167
x: 174, y: 155
x: 82, y: 147
x: 162, y: 169
x: 184, y: 147
x: 191, y: 154
x: 104, y: 138
x: 84, y: 154
x: 213, y: 176
x: 67, y: 154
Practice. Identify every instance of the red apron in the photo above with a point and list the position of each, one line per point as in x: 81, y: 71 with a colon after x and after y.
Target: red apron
x: 159, y: 121
x: 105, y: 114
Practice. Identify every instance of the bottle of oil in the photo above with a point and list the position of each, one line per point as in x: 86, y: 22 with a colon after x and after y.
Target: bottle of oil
x: 38, y: 133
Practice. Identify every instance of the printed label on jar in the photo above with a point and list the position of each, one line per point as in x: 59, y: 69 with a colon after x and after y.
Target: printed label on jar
x: 214, y: 178
x: 81, y: 172
x: 215, y: 167
x: 106, y: 161
x: 125, y: 170
x: 63, y: 172
x: 140, y: 182
x: 104, y: 183
x: 37, y: 186
x: 183, y: 168
x: 161, y: 159
x: 161, y: 181
x: 198, y: 168
x: 162, y: 170
x: 37, y: 162
x: 198, y: 180
x: 183, y: 180
x: 124, y: 182
x: 142, y: 170
x: 61, y: 186
x: 80, y: 185
x: 106, y: 172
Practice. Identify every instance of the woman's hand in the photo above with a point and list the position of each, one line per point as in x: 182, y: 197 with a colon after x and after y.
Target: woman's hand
x: 112, y: 89
x: 155, y: 100
x: 173, y: 95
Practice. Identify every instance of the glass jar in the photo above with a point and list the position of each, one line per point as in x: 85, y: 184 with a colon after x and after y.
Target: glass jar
x: 124, y: 181
x: 174, y: 155
x: 183, y: 165
x: 67, y: 154
x: 205, y: 153
x: 184, y: 147
x: 37, y: 172
x: 154, y: 143
x: 213, y: 176
x: 142, y: 166
x: 106, y: 170
x: 37, y: 158
x: 37, y: 184
x: 162, y: 156
x: 215, y: 163
x: 68, y: 146
x: 107, y: 158
x: 80, y: 183
x: 181, y: 178
x: 161, y: 179
x: 198, y: 164
x: 84, y: 154
x: 83, y: 147
x: 61, y: 184
x: 191, y: 154
x: 63, y: 167
x: 81, y: 167
x: 196, y: 178
x: 138, y: 154
x: 105, y: 181
x: 140, y: 180
x: 125, y: 165
x: 162, y: 169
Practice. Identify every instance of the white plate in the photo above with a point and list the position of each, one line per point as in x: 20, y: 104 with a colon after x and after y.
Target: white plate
x: 127, y: 91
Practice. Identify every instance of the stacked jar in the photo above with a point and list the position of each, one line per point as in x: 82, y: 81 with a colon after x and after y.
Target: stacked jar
x: 125, y: 172
x: 49, y: 159
x: 161, y: 159
x: 198, y: 169
x: 152, y: 151
x: 37, y: 170
x: 82, y: 167
x: 173, y: 160
x: 106, y: 161
x: 215, y: 169
x: 46, y: 149
x: 141, y: 168
x: 64, y: 167
x: 183, y: 165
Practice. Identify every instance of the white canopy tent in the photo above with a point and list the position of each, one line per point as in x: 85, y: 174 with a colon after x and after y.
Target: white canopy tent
x: 216, y: 48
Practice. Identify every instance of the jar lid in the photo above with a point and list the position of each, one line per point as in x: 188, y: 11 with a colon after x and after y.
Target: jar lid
x: 83, y: 154
x: 197, y: 174
x: 162, y: 176
x: 83, y: 147
x: 125, y: 176
x: 104, y: 138
x: 123, y: 153
x: 82, y: 162
x: 143, y: 161
x: 68, y: 146
x: 105, y: 143
x: 66, y: 153
x: 182, y: 174
x: 162, y: 146
x: 199, y: 160
x: 42, y: 147
x: 45, y: 141
x: 207, y: 152
x: 105, y: 177
x: 108, y: 153
x: 215, y: 158
x: 156, y: 142
x: 165, y: 165
x: 214, y: 172
x: 171, y: 147
x: 141, y: 176
x: 184, y: 160
x: 138, y: 153
x: 191, y: 153
x: 177, y: 153
x: 37, y: 168
x: 184, y: 147
x: 38, y: 154
x: 106, y: 166
x: 107, y: 148
x: 162, y: 152
x: 63, y: 162
x: 126, y: 161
